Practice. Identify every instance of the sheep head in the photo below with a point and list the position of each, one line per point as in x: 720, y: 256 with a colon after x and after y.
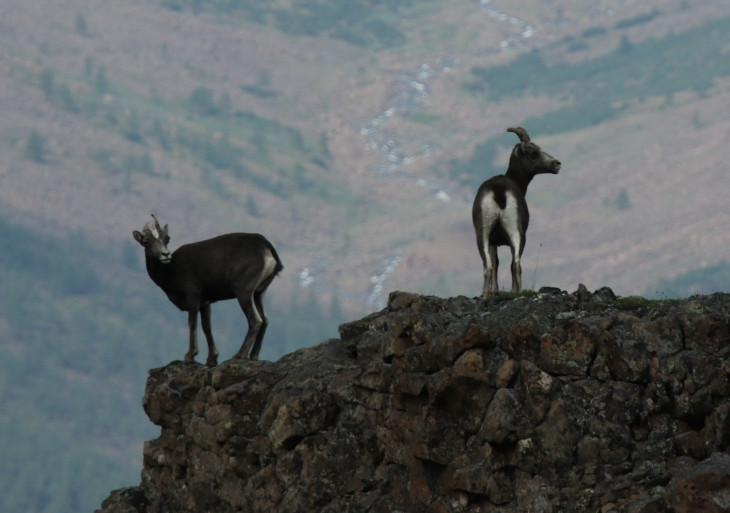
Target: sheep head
x: 529, y: 157
x: 154, y: 239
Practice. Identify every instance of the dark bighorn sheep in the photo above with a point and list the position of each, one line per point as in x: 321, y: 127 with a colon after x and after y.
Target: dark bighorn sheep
x: 235, y: 265
x: 500, y: 212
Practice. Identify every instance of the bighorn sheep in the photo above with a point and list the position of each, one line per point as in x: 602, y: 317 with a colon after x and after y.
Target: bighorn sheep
x: 500, y: 212
x: 235, y: 265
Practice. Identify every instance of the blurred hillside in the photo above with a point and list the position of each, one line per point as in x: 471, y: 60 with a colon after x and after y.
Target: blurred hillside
x: 353, y: 134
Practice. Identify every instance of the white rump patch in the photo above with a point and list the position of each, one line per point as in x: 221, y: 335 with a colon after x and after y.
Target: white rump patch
x: 268, y: 270
x: 511, y: 221
x: 491, y: 214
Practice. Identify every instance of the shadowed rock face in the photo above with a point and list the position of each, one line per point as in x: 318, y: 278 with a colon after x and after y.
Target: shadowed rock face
x: 545, y: 403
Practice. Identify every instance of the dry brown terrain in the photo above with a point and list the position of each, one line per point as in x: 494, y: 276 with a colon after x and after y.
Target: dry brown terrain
x: 406, y: 227
x: 354, y: 161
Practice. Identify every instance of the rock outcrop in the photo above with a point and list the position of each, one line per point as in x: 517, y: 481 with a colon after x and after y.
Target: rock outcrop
x: 552, y: 402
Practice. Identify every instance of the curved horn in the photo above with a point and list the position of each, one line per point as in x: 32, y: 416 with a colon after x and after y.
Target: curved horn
x: 521, y: 133
x: 157, y: 223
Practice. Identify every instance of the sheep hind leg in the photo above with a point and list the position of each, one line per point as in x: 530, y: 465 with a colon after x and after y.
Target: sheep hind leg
x: 485, y: 221
x: 258, y: 299
x: 254, y: 324
x: 251, y: 302
x: 193, y: 326
x: 516, y: 269
x: 491, y: 264
x: 212, y: 360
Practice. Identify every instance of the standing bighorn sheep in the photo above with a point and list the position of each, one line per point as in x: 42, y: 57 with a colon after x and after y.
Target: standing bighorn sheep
x: 235, y: 265
x: 500, y: 212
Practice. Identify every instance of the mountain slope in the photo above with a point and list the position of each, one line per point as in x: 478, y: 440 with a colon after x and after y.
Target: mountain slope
x: 355, y: 145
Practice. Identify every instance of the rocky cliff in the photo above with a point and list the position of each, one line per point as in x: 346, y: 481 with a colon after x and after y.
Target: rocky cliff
x: 552, y: 402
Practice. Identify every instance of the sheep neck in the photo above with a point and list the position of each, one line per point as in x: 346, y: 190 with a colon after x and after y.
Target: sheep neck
x: 519, y: 176
x: 158, y: 271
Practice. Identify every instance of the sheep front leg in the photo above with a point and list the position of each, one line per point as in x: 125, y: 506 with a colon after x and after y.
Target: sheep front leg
x: 212, y: 360
x: 193, y: 325
x: 254, y: 326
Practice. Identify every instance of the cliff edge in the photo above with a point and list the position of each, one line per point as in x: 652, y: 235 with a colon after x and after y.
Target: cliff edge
x: 552, y: 402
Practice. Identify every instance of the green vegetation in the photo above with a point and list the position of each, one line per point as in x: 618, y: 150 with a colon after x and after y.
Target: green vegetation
x: 656, y: 67
x: 636, y: 302
x: 365, y: 23
x: 73, y: 317
x: 620, y: 201
x: 76, y: 317
x: 49, y: 291
x: 58, y: 93
x: 704, y: 280
x: 600, y: 88
x: 509, y: 296
x: 638, y: 20
x: 424, y: 118
x: 202, y: 103
x: 62, y: 268
x: 205, y: 127
x: 35, y: 148
x: 261, y: 88
x: 70, y: 298
x: 80, y: 25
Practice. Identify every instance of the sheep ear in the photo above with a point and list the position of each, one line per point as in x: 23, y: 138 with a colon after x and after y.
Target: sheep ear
x: 138, y: 237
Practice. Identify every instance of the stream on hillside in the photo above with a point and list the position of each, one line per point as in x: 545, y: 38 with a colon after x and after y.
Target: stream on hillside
x: 408, y: 96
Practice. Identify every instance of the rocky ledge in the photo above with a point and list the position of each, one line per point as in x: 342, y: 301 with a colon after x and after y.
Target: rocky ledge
x: 550, y: 402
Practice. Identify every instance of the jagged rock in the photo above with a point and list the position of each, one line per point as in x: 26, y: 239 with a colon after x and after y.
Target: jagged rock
x: 546, y: 403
